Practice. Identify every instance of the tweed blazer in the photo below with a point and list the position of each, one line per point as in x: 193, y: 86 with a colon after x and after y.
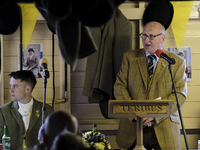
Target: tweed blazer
x: 10, y: 116
x: 132, y: 84
x: 32, y: 63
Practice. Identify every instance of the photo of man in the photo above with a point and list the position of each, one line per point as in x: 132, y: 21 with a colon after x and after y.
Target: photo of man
x: 32, y: 62
x: 31, y: 58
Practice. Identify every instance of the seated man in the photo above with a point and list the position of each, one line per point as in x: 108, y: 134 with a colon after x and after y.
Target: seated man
x: 23, y: 115
x: 69, y: 141
x: 54, y: 124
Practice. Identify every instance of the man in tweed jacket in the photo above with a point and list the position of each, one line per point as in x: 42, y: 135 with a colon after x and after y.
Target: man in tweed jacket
x: 23, y: 115
x: 133, y: 83
x: 32, y: 62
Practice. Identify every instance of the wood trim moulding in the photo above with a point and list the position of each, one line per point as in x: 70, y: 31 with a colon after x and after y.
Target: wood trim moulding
x: 114, y: 132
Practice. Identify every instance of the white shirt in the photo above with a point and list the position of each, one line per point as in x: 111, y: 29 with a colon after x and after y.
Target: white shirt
x: 31, y: 56
x: 24, y: 110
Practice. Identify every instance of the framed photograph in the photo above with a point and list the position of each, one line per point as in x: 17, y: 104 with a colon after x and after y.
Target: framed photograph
x: 31, y: 58
x: 184, y: 52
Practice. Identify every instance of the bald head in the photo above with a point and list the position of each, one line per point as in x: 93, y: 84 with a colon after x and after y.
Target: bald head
x: 56, y: 122
x: 157, y: 33
x: 155, y: 25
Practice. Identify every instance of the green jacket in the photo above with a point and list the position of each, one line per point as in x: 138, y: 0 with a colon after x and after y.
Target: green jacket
x: 10, y: 116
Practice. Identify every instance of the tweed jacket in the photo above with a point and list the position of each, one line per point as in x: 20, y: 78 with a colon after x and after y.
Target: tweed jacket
x: 132, y: 84
x: 10, y: 116
x: 112, y: 39
x: 32, y: 63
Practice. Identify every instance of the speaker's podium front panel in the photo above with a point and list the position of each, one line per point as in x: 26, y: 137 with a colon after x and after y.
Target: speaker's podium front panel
x: 140, y: 108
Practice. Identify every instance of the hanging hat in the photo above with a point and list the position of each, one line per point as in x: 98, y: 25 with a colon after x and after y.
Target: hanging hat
x: 54, y: 9
x: 74, y: 39
x: 87, y: 45
x: 9, y: 18
x: 68, y: 35
x: 4, y: 3
x: 82, y: 7
x: 99, y: 15
x: 161, y: 11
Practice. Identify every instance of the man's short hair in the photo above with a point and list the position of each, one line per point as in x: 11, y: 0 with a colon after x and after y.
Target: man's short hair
x: 68, y: 140
x: 58, y: 121
x: 25, y: 76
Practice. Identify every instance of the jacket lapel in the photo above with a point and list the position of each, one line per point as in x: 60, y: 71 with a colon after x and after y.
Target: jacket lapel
x: 17, y: 116
x: 160, y: 68
x: 142, y: 64
x: 35, y: 115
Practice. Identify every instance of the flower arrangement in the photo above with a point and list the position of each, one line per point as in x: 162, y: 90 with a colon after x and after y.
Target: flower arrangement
x: 96, y: 140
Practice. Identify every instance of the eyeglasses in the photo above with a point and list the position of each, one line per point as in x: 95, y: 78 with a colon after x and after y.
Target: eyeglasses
x: 150, y: 36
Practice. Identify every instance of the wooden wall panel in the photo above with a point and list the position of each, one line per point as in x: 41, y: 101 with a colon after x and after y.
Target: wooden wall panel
x: 192, y: 141
x: 86, y: 111
x: 77, y: 79
x: 195, y: 78
x: 10, y: 63
x: 77, y: 97
x: 12, y: 47
x: 192, y: 91
x: 41, y: 34
x: 195, y: 60
x: 81, y: 65
x: 191, y: 123
x: 41, y: 31
x: 193, y: 112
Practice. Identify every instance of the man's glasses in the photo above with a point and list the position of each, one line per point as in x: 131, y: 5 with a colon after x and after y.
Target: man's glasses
x: 150, y: 36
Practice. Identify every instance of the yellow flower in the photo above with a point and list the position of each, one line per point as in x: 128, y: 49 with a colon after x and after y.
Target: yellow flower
x: 100, y: 146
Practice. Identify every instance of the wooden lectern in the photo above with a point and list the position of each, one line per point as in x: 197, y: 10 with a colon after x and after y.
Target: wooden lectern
x: 139, y: 109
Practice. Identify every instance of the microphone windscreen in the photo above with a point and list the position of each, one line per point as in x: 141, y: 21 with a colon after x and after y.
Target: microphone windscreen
x: 159, y: 52
x: 44, y: 60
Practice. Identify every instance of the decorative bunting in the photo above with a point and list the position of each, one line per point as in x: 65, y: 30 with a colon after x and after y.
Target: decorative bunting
x: 29, y: 18
x: 179, y: 23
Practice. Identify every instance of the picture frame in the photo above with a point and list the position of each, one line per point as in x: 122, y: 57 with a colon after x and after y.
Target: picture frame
x: 32, y: 62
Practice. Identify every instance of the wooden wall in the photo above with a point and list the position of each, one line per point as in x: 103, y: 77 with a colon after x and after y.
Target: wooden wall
x: 41, y: 34
x: 191, y: 108
x: 89, y: 114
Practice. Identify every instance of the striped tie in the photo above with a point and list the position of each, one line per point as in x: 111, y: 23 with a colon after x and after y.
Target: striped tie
x: 150, y: 65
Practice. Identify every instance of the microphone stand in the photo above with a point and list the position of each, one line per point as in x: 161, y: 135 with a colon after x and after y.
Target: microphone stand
x: 46, y: 75
x: 178, y: 106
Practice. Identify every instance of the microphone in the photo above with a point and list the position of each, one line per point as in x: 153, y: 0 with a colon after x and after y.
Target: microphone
x: 44, y: 64
x: 161, y: 54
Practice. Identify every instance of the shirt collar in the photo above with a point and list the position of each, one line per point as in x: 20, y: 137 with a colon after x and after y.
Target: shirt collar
x: 147, y: 54
x: 27, y: 106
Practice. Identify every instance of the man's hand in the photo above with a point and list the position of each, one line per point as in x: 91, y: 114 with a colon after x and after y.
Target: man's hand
x: 148, y: 121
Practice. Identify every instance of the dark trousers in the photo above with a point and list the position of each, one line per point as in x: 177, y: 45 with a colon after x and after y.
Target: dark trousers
x: 149, y: 139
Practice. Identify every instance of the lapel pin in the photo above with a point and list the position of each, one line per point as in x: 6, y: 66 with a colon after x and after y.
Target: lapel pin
x: 163, y: 64
x: 37, y: 113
